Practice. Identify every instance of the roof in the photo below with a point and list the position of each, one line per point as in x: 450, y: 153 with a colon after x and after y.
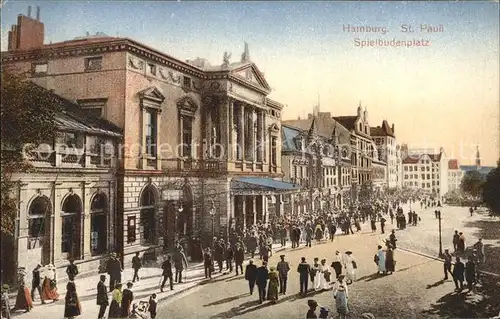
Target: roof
x: 347, y: 121
x: 453, y: 164
x: 71, y: 117
x: 414, y: 158
x: 288, y: 135
x: 254, y: 185
x: 325, y: 127
x: 80, y: 41
x: 485, y: 170
x: 384, y: 130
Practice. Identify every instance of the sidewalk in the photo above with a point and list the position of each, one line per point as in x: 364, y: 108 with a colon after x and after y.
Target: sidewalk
x: 149, y: 283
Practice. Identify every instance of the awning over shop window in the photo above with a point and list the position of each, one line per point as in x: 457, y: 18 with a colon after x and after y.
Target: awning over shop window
x: 261, y: 186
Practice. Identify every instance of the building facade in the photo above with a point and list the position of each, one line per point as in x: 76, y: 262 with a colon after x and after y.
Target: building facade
x: 379, y: 170
x: 455, y: 175
x: 201, y: 143
x: 426, y: 171
x: 67, y: 203
x: 385, y: 141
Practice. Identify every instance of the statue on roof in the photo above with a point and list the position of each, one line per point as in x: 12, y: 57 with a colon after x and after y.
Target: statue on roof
x: 225, y: 59
x: 245, y: 57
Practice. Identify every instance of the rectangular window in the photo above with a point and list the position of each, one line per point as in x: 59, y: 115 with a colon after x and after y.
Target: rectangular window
x: 93, y: 64
x: 93, y: 107
x: 428, y: 176
x: 273, y: 150
x: 186, y: 82
x: 151, y: 133
x: 152, y: 69
x: 187, y: 136
x: 131, y: 229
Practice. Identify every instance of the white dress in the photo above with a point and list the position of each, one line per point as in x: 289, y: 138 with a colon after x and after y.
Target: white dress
x: 349, y: 268
x: 381, y: 260
x: 317, y: 278
x: 325, y: 285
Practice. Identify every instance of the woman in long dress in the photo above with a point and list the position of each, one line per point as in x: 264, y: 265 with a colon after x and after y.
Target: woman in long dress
x: 326, y: 273
x: 341, y: 296
x: 316, y: 273
x: 72, y: 307
x: 318, y: 233
x: 127, y: 298
x: 23, y: 299
x: 381, y: 260
x: 115, y: 310
x: 390, y: 263
x: 272, y: 289
x: 350, y: 267
x: 337, y: 264
x: 49, y: 286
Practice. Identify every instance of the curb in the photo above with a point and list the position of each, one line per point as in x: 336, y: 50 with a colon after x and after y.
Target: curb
x: 439, y: 259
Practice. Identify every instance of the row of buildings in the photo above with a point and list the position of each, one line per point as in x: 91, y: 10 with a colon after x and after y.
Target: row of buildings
x: 153, y: 149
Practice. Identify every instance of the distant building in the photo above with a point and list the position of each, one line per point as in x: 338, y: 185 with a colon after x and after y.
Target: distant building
x: 426, y: 171
x: 385, y: 141
x: 485, y: 170
x: 455, y: 175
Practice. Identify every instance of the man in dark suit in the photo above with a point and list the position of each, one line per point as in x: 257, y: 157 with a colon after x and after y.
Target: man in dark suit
x: 114, y: 268
x: 251, y: 275
x: 283, y: 268
x: 458, y: 274
x: 167, y: 273
x: 304, y: 269
x: 35, y: 283
x: 239, y: 257
x: 102, y: 297
x: 262, y: 276
x: 136, y: 265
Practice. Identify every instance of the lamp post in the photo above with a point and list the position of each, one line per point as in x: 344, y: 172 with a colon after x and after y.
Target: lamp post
x: 440, y: 240
x: 179, y: 210
x: 212, y: 215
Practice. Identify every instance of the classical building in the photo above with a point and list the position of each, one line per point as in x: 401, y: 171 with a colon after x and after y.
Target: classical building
x: 455, y: 175
x: 385, y: 141
x: 201, y: 150
x: 426, y: 170
x: 324, y: 145
x: 66, y: 203
x: 361, y: 147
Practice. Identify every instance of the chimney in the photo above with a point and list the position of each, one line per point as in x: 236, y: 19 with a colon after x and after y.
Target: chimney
x: 37, y: 13
x: 29, y: 11
x: 27, y: 34
x: 393, y: 128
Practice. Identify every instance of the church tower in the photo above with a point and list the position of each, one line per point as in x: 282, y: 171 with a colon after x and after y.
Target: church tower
x: 478, y: 158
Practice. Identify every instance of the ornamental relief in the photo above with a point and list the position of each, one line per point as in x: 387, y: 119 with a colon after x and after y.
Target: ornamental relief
x: 170, y: 76
x: 214, y: 87
x: 136, y: 64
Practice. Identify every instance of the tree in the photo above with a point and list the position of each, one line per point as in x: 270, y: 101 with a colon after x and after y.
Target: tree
x: 491, y: 191
x: 27, y: 115
x: 472, y: 183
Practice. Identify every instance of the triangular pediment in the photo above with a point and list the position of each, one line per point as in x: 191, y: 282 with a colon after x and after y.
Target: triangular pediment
x: 274, y: 128
x: 251, y: 74
x: 152, y: 93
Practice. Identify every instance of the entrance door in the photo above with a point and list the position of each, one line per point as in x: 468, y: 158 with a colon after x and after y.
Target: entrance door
x: 148, y: 214
x: 71, y: 227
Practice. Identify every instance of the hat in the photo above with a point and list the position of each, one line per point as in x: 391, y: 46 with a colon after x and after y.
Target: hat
x: 312, y: 303
x: 348, y: 252
x: 316, y: 258
x: 446, y: 249
x: 282, y: 256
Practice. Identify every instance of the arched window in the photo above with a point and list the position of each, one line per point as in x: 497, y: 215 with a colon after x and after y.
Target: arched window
x: 71, y: 226
x: 148, y: 212
x: 39, y: 211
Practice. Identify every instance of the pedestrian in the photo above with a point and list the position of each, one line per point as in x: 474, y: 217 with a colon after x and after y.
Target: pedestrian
x: 115, y: 310
x: 332, y: 230
x: 382, y: 224
x: 72, y: 307
x: 283, y: 268
x: 239, y: 258
x: 341, y: 296
x: 324, y: 313
x: 456, y: 238
x: 180, y: 261
x: 380, y: 260
x: 127, y: 299
x: 447, y: 264
x: 458, y: 275
x: 350, y: 267
x: 470, y: 273
x: 337, y: 264
x: 304, y: 270
x: 114, y: 269
x: 72, y: 270
x: 251, y: 275
x: 49, y: 285
x: 229, y: 257
x: 315, y: 274
x: 373, y: 225
x: 102, y: 297
x: 152, y: 306
x: 461, y: 243
x: 309, y: 233
x: 479, y: 247
x: 392, y: 239
x: 23, y: 298
x: 311, y: 313
x: 136, y: 265
x: 262, y: 277
x: 36, y: 283
x: 272, y: 289
x: 5, y: 313
x: 325, y: 275
x: 390, y: 263
x: 167, y: 273
x: 208, y: 263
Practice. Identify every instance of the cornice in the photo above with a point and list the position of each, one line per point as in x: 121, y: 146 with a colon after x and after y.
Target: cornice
x: 248, y: 84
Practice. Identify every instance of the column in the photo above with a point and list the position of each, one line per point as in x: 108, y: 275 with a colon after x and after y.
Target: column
x: 180, y: 165
x: 244, y: 211
x: 264, y: 136
x: 251, y: 133
x: 260, y: 136
x: 224, y: 127
x: 266, y: 211
x: 241, y: 133
x: 158, y: 142
x: 208, y: 130
x: 86, y: 225
x: 232, y: 142
x: 254, y: 207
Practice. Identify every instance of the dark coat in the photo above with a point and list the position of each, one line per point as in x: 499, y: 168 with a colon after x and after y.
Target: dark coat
x: 136, y: 262
x: 262, y: 276
x: 102, y: 294
x: 114, y: 267
x: 127, y: 299
x: 304, y: 269
x: 71, y: 305
x: 251, y: 272
x: 239, y: 256
x: 167, y: 268
x: 458, y: 271
x: 207, y: 259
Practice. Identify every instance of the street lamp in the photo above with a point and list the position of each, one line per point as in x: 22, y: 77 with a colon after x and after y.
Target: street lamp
x: 440, y: 240
x: 212, y: 215
x: 179, y: 210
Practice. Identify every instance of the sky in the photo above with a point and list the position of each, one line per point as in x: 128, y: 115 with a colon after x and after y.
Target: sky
x: 443, y: 92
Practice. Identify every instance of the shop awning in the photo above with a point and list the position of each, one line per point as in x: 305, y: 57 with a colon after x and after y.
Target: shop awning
x: 261, y: 186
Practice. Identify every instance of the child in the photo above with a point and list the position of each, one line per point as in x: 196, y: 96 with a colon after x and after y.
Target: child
x: 152, y: 306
